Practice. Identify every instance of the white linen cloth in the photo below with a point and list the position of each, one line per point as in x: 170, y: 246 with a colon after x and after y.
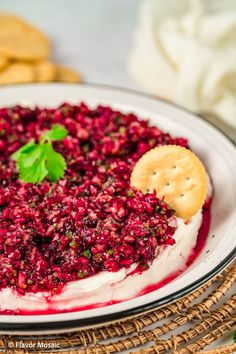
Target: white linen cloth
x: 185, y: 51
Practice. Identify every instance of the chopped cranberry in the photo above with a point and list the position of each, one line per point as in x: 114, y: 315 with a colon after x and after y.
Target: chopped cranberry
x: 90, y: 221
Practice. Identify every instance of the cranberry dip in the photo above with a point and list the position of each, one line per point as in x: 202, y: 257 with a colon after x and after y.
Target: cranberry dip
x: 86, y: 239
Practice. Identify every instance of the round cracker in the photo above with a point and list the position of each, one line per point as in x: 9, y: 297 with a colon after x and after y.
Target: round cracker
x: 20, y: 40
x: 3, y: 62
x: 45, y: 71
x: 17, y: 73
x: 177, y: 176
x: 65, y: 74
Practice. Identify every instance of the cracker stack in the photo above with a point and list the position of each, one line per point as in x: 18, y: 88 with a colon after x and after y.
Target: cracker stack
x: 24, y: 55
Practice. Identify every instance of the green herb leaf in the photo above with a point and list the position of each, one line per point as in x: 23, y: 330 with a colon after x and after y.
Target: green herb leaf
x: 58, y: 132
x: 87, y: 253
x: 35, y: 162
x: 32, y: 167
x: 25, y: 149
x: 234, y: 339
x: 55, y: 163
x: 80, y: 275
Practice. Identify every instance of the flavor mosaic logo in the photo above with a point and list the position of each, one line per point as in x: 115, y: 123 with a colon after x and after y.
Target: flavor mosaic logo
x: 33, y: 345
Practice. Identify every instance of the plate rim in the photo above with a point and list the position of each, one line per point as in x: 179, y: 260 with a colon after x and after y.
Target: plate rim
x: 165, y: 300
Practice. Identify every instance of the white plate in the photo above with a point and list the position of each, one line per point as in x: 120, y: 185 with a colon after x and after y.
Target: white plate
x: 219, y: 156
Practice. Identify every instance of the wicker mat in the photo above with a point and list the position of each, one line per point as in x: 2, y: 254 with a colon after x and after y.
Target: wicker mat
x: 197, y: 320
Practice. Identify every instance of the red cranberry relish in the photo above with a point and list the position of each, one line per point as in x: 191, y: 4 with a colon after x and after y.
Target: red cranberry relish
x: 89, y: 221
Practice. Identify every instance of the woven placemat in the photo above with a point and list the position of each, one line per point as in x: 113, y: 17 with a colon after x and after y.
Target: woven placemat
x: 199, y: 319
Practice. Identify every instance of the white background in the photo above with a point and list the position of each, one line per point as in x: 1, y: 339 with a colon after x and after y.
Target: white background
x: 92, y: 36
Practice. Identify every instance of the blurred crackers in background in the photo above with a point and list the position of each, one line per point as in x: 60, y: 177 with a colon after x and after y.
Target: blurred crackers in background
x: 25, y: 53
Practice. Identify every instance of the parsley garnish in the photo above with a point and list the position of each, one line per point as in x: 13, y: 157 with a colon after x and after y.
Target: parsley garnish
x: 87, y: 253
x: 35, y: 161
